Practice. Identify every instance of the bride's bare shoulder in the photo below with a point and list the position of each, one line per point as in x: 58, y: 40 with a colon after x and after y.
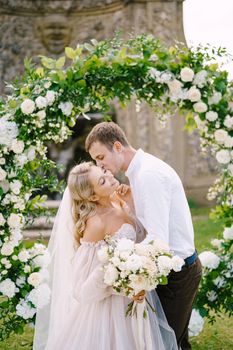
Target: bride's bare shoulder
x: 95, y: 229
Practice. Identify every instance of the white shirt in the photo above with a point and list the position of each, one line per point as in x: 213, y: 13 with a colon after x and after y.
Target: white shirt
x: 160, y: 203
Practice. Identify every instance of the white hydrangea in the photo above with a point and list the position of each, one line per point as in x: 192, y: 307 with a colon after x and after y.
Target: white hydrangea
x: 23, y: 255
x: 160, y: 246
x: 21, y: 160
x: 196, y: 323
x: 177, y: 263
x: 2, y: 220
x: 28, y: 106
x: 186, y: 74
x: 41, y: 102
x: 25, y: 310
x: 17, y: 146
x: 228, y: 233
x: 217, y: 243
x: 134, y: 263
x: 34, y: 279
x: 209, y: 260
x: 3, y: 174
x: 50, y: 97
x: 200, y: 78
x: 211, y: 116
x: 7, y: 288
x: 42, y: 260
x: 125, y: 244
x: 7, y: 249
x: 8, y: 132
x: 66, y: 108
x: 20, y: 281
x: 215, y: 98
x: 15, y: 186
x: 164, y: 264
x: 220, y: 136
x: 175, y: 88
x: 223, y: 156
x: 31, y: 153
x: 228, y: 121
x: 111, y: 275
x: 228, y: 141
x: 40, y: 296
x: 193, y: 94
x: 15, y: 220
x: 200, y: 107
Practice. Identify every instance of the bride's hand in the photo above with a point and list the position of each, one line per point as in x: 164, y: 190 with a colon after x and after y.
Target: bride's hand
x: 123, y: 190
x: 139, y: 298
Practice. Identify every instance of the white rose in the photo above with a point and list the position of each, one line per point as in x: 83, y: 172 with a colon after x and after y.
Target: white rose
x: 175, y: 88
x: 196, y: 323
x: 21, y: 159
x: 41, y: 102
x: 134, y: 263
x: 50, y: 97
x: 186, y: 74
x: 2, y: 161
x: 213, y: 100
x: 2, y: 220
x: 8, y: 288
x: 47, y: 84
x: 228, y: 233
x: 200, y: 78
x: 23, y: 255
x: 5, y: 186
x: 164, y: 264
x: 14, y: 220
x: 193, y: 94
x: 220, y: 136
x: 209, y: 260
x: 7, y: 249
x: 230, y: 169
x: 228, y: 122
x: 3, y: 174
x: 200, y: 107
x: 28, y: 106
x: 138, y: 283
x: 217, y: 243
x: 160, y: 246
x: 177, y: 263
x: 141, y: 249
x: 42, y: 260
x: 125, y: 244
x: 66, y: 108
x: 103, y: 255
x: 34, y: 279
x: 228, y: 142
x: 40, y: 296
x: 15, y: 186
x: 41, y: 114
x: 211, y: 116
x: 17, y: 146
x: 223, y: 156
x: 110, y: 275
x: 25, y: 310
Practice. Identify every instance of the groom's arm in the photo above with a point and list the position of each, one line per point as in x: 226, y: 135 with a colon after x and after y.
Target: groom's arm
x: 155, y: 191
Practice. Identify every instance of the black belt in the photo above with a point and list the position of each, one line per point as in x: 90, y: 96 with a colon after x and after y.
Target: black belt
x: 191, y: 259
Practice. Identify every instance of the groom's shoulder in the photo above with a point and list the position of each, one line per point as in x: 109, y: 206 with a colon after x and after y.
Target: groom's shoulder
x: 151, y: 163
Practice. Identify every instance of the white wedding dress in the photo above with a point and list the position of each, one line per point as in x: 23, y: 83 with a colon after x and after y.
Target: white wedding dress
x: 97, y: 318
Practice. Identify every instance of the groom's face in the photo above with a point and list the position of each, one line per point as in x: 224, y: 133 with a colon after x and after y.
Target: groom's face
x: 111, y: 160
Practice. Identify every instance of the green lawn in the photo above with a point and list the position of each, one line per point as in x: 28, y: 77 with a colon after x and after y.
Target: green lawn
x: 214, y: 337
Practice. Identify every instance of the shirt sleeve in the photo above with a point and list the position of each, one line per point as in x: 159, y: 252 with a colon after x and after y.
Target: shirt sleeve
x: 155, y: 192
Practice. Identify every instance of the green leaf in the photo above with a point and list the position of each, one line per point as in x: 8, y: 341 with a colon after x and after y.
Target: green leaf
x: 60, y: 62
x: 70, y: 53
x: 40, y: 71
x: 190, y: 125
x: 47, y: 62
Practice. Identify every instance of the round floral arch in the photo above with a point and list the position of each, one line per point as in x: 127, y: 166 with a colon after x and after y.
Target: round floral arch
x: 47, y: 101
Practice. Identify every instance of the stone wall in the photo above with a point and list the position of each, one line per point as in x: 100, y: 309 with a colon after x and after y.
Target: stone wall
x: 33, y: 27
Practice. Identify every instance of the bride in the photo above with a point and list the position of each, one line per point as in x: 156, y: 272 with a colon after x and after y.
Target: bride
x: 84, y: 313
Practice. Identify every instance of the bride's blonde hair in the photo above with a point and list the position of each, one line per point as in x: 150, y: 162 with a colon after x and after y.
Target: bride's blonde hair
x: 81, y: 190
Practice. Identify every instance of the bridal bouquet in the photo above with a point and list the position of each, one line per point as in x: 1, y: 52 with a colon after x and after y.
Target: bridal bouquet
x: 131, y: 267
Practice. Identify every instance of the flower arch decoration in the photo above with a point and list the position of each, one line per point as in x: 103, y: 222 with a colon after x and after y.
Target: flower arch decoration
x: 47, y: 101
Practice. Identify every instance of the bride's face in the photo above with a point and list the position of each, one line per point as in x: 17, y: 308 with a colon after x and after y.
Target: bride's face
x: 103, y: 181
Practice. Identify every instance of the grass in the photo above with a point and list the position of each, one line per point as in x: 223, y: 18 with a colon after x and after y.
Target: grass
x: 214, y: 337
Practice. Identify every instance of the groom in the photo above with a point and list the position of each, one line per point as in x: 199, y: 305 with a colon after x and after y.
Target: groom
x: 161, y: 206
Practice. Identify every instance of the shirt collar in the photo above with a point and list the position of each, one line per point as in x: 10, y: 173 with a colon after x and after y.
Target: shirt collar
x: 133, y: 165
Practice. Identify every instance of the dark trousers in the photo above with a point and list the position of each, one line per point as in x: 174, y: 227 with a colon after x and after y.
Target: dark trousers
x: 177, y: 298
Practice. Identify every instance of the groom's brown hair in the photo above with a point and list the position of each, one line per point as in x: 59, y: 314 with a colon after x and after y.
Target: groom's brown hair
x: 106, y: 133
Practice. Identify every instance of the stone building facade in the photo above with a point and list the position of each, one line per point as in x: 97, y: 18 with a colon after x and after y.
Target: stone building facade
x: 37, y: 27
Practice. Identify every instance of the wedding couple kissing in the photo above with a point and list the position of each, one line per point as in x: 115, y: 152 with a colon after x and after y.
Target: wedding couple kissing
x: 85, y: 313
